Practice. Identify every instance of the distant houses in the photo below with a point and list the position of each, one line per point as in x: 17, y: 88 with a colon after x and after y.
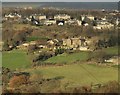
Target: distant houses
x: 103, y: 24
x: 62, y: 19
x: 91, y: 17
x: 49, y: 22
x: 42, y: 17
x: 73, y: 22
x: 76, y: 43
x: 13, y: 16
x: 26, y: 45
x: 39, y: 16
x: 79, y: 43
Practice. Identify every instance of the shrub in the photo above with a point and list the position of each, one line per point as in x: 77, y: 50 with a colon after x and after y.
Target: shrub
x: 99, y: 56
x: 41, y: 57
x: 50, y: 86
x: 110, y: 87
x: 6, y: 46
x: 16, y: 81
x: 59, y: 51
x: 35, y: 78
x: 32, y: 48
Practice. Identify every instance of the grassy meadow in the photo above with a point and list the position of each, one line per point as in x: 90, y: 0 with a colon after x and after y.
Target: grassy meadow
x: 69, y: 58
x: 79, y: 74
x: 111, y: 50
x: 15, y: 59
x: 19, y: 59
x: 75, y: 74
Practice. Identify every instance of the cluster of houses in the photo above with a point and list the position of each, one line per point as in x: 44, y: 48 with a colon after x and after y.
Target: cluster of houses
x: 61, y: 19
x: 76, y: 43
x: 13, y: 16
x: 79, y: 43
x: 103, y: 24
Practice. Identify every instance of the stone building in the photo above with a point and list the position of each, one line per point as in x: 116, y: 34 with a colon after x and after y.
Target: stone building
x: 62, y: 17
x: 42, y: 17
x: 49, y: 21
x: 74, y: 42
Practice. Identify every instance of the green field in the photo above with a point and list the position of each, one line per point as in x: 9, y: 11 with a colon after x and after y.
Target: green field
x: 69, y: 58
x: 79, y: 74
x: 111, y: 50
x: 15, y: 59
x: 75, y: 74
x: 18, y: 59
x: 34, y: 38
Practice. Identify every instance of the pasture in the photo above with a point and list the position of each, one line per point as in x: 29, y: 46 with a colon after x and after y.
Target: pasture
x: 79, y: 74
x: 15, y: 59
x: 111, y: 50
x: 74, y: 74
x: 69, y: 58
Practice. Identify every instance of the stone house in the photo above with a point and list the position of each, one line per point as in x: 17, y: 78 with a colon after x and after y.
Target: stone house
x: 84, y: 48
x: 104, y: 26
x: 62, y: 17
x: 13, y: 16
x: 80, y: 43
x: 42, y: 17
x: 67, y: 42
x: 38, y: 16
x: 73, y: 22
x: 50, y: 22
x: 90, y: 17
x: 26, y: 45
x: 74, y: 42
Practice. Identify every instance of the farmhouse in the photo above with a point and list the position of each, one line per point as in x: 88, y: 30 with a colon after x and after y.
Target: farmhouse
x: 102, y: 22
x: 114, y: 60
x: 42, y: 17
x: 62, y: 17
x: 14, y: 16
x: 85, y: 48
x: 80, y: 43
x: 73, y: 22
x: 54, y: 43
x: 38, y: 16
x: 25, y: 45
x: 83, y: 17
x: 50, y: 22
x: 104, y: 26
x: 90, y: 17
x: 74, y: 42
